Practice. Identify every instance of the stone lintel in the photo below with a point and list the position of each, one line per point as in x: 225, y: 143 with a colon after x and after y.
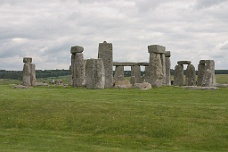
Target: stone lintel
x: 130, y: 63
x: 27, y: 60
x: 167, y: 54
x: 76, y: 49
x: 156, y: 49
x: 183, y: 62
x: 205, y: 61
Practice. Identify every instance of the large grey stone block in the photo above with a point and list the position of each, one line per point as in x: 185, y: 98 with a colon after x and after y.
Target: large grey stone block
x: 190, y: 75
x: 167, y: 66
x: 206, y: 73
x: 179, y: 75
x: 95, y: 74
x: 78, y: 70
x: 119, y: 73
x: 156, y: 71
x: 156, y: 49
x: 105, y: 53
x: 76, y: 49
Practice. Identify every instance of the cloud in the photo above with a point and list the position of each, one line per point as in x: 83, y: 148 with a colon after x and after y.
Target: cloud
x: 202, y: 4
x: 46, y: 30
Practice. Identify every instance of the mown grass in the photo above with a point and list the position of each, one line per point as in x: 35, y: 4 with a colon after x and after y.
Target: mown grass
x: 76, y: 119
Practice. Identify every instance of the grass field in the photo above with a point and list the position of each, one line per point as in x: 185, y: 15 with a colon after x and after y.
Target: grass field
x: 59, y: 119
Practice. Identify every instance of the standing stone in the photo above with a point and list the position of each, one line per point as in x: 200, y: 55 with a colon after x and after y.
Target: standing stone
x: 77, y: 66
x: 190, y: 75
x: 95, y: 74
x: 206, y: 73
x: 29, y: 74
x: 119, y: 73
x: 136, y: 73
x: 33, y: 74
x: 84, y: 76
x: 167, y: 65
x: 179, y: 75
x: 156, y: 70
x: 105, y: 53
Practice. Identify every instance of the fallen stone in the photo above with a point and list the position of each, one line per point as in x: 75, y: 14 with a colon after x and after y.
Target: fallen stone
x: 123, y: 84
x: 143, y: 86
x: 21, y: 87
x: 41, y: 84
x: 221, y: 85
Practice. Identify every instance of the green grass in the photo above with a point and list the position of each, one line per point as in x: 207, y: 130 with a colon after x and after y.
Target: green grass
x: 76, y: 119
x: 222, y: 78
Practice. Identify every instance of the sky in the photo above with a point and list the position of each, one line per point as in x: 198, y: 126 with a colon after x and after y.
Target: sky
x: 45, y: 30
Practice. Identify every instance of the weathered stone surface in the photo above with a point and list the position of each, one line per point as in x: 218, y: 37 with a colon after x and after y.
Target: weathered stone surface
x: 27, y: 74
x: 179, y: 75
x: 119, y: 71
x: 33, y: 75
x: 143, y: 86
x: 84, y: 71
x: 122, y: 84
x: 206, y: 73
x: 22, y: 87
x: 105, y: 53
x: 221, y: 85
x: 136, y: 73
x: 76, y: 49
x: 95, y: 74
x: 156, y: 49
x: 27, y: 60
x: 130, y: 63
x: 167, y: 54
x: 41, y: 84
x: 155, y: 73
x: 184, y: 62
x: 78, y: 71
x: 167, y: 66
x: 190, y: 75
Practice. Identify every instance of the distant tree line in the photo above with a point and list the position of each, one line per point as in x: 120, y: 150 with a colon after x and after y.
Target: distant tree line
x: 56, y: 73
x: 39, y: 74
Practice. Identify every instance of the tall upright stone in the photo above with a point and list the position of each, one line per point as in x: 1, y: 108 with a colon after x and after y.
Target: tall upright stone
x: 190, y: 75
x: 156, y: 71
x: 29, y: 73
x: 179, y: 75
x: 206, y: 73
x: 119, y: 73
x: 136, y: 74
x: 105, y: 53
x: 77, y: 66
x: 95, y: 74
x: 167, y: 66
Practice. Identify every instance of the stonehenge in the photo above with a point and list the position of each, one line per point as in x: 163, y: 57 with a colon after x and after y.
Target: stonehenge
x: 157, y: 70
x: 98, y: 73
x: 29, y: 73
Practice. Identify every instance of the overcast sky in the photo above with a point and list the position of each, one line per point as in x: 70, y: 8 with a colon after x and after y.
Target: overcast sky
x: 46, y: 29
